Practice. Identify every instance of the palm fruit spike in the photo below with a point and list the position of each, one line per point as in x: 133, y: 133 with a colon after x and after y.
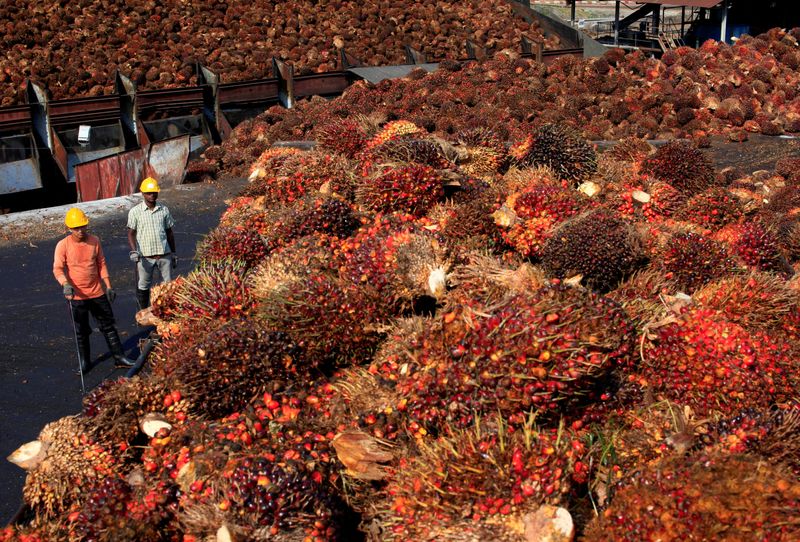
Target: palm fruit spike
x: 598, y: 245
x: 527, y: 218
x: 692, y: 260
x: 162, y: 298
x: 265, y: 164
x: 229, y: 243
x: 712, y: 208
x: 429, y: 152
x: 631, y: 149
x: 642, y: 294
x: 313, y: 213
x: 560, y: 148
x: 260, y: 497
x: 755, y: 301
x: 345, y: 136
x: 488, y: 280
x: 713, y: 365
x: 682, y: 165
x: 634, y: 438
x: 394, y: 130
x: 485, y: 472
x: 234, y: 363
x: 215, y: 290
x: 409, y: 188
x: 114, y: 510
x: 484, y: 153
x: 116, y: 407
x: 530, y: 351
x: 398, y: 259
x: 699, y: 497
x: 333, y: 320
x: 73, y: 460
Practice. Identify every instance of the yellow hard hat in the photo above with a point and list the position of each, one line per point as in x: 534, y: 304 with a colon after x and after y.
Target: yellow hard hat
x: 149, y: 185
x: 76, y: 218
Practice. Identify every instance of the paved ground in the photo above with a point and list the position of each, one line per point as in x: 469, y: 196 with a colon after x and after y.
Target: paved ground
x: 38, y: 365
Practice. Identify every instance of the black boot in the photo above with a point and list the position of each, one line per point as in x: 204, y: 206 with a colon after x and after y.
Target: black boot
x: 143, y: 298
x: 115, y: 346
x: 84, y: 354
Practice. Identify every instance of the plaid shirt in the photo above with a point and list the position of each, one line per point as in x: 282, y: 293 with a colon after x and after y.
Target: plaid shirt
x: 151, y: 228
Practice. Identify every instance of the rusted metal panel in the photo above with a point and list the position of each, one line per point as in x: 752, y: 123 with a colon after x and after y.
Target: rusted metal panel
x: 688, y: 3
x: 117, y: 175
x: 15, y: 118
x: 108, y: 172
x: 84, y: 110
x: 19, y: 176
x: 320, y: 84
x: 132, y: 167
x: 167, y: 160
x: 59, y: 153
x: 87, y: 181
x: 248, y: 92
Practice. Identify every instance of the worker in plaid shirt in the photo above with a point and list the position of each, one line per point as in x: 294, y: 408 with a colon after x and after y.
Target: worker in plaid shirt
x: 151, y: 240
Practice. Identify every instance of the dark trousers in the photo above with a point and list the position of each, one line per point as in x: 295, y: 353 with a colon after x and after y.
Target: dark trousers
x: 99, y: 308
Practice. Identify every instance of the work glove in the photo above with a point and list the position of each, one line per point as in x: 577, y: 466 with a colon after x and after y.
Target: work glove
x: 134, y: 256
x: 69, y: 291
x: 174, y: 261
x: 111, y: 295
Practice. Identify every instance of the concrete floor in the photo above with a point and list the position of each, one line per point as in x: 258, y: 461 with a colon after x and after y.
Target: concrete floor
x: 39, y: 382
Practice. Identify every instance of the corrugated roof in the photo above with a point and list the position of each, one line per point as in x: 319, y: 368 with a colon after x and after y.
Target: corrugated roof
x: 687, y: 3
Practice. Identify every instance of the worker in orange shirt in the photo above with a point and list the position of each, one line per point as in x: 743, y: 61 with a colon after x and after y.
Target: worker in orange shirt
x: 80, y: 268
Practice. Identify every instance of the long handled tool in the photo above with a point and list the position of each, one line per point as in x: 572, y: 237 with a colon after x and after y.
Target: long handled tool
x: 77, y: 348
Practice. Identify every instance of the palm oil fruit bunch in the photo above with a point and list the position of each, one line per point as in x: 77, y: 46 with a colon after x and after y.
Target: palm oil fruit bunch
x: 486, y: 279
x: 711, y: 209
x: 73, y: 458
x: 681, y: 164
x: 116, y: 407
x: 757, y: 245
x: 216, y: 290
x: 598, y: 245
x: 756, y: 300
x: 410, y: 188
x: 262, y: 498
x: 314, y: 213
x: 232, y: 243
x: 527, y: 218
x: 484, y: 153
x: 234, y: 363
x: 420, y: 151
x: 343, y: 136
x: 641, y: 294
x: 163, y: 301
x: 113, y: 510
x: 397, y: 259
x: 560, y: 148
x: 714, y: 365
x: 533, y: 350
x: 333, y: 320
x: 703, y: 497
x: 312, y: 171
x: 692, y: 260
x: 261, y: 172
x: 486, y: 473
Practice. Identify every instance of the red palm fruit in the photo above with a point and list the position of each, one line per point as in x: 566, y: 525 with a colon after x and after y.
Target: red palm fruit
x: 671, y: 500
x: 483, y: 470
x: 412, y: 189
x: 344, y: 136
x: 598, y: 245
x: 692, y: 260
x: 530, y: 351
x: 712, y: 209
x: 396, y: 258
x: 682, y: 165
x: 713, y: 365
x: 265, y: 167
x: 217, y: 290
x: 756, y: 244
x: 527, y: 218
x: 560, y: 148
x: 228, y: 243
x: 396, y: 129
x: 757, y: 300
x: 642, y: 294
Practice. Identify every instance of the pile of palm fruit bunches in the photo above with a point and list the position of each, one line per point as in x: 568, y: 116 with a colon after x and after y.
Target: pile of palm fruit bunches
x: 404, y: 336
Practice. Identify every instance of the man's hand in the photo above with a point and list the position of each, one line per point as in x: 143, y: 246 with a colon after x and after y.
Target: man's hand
x: 174, y: 261
x: 134, y: 256
x: 111, y: 295
x: 69, y: 291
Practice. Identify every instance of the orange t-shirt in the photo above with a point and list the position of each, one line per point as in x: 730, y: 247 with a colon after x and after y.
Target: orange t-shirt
x: 82, y: 264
